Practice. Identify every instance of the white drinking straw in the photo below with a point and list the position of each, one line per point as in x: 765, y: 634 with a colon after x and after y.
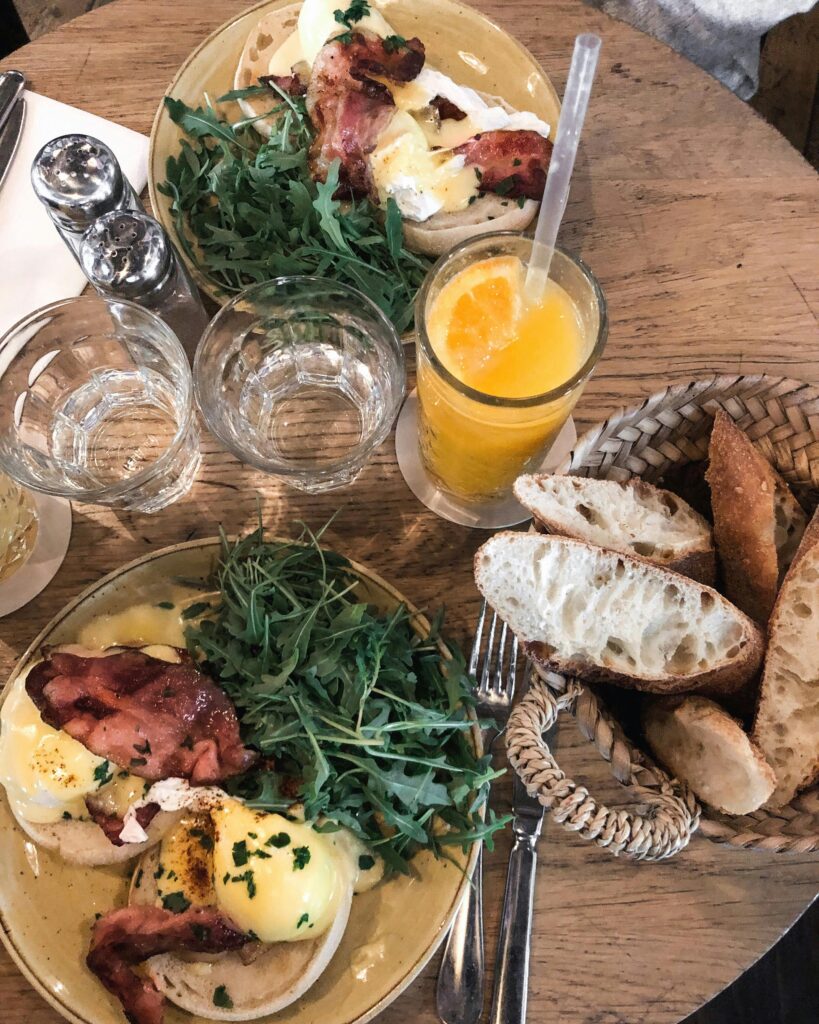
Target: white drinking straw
x: 558, y: 179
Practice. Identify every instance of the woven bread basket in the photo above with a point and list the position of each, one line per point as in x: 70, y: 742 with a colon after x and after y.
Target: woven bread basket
x: 668, y: 431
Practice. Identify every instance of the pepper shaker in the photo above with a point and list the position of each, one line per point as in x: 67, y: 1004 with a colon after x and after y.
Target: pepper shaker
x: 77, y: 178
x: 128, y: 255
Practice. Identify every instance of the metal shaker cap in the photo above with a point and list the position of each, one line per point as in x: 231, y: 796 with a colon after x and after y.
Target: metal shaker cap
x: 78, y: 179
x: 125, y: 253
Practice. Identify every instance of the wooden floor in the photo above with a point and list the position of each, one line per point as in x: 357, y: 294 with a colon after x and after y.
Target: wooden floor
x: 783, y: 988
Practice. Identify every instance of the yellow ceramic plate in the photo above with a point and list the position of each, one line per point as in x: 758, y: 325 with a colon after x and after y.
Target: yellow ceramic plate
x: 47, y: 906
x: 459, y: 41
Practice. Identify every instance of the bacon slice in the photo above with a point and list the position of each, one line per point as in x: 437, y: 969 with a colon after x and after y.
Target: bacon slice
x: 156, y: 719
x: 111, y: 825
x: 293, y: 85
x: 349, y: 109
x: 516, y: 161
x: 123, y: 938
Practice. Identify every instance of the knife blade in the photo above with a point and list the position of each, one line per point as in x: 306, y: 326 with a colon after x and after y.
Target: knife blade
x: 511, y: 987
x: 12, y: 84
x: 10, y: 137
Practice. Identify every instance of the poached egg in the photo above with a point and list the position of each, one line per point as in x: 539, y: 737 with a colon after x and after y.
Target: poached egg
x: 276, y: 878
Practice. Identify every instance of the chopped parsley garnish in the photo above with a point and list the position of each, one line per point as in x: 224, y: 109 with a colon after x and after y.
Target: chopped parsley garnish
x: 246, y: 876
x: 176, y: 902
x: 201, y: 932
x: 226, y: 878
x: 138, y: 762
x: 365, y: 862
x: 166, y: 605
x: 302, y: 920
x: 222, y: 999
x: 160, y: 871
x: 252, y: 835
x: 123, y: 774
x: 187, y: 743
x: 171, y: 875
x: 350, y: 700
x: 67, y: 816
x: 143, y: 748
x: 167, y: 692
x: 240, y: 853
x: 205, y: 839
x: 517, y: 162
x: 505, y: 186
x: 103, y: 773
x: 521, y: 201
x: 357, y: 10
x: 195, y: 609
x: 278, y: 840
x: 138, y: 879
x: 301, y: 857
x: 393, y: 43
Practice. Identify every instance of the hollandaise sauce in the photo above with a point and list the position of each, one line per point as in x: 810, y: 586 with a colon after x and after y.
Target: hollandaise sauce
x: 490, y: 339
x: 277, y: 878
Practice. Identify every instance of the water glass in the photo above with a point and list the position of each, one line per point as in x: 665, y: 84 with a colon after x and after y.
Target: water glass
x: 302, y: 378
x: 96, y: 404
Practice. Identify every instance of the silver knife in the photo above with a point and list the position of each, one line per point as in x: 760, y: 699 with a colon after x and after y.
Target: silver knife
x: 12, y: 114
x: 10, y: 136
x: 512, y: 958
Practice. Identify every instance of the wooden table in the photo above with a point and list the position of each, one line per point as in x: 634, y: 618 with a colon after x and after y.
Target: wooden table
x: 701, y: 223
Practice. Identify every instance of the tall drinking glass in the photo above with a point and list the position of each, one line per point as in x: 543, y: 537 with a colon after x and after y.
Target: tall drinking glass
x: 473, y: 444
x: 96, y: 404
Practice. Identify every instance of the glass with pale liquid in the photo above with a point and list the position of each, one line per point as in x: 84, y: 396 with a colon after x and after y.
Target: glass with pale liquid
x: 96, y: 405
x: 492, y: 401
x: 18, y: 526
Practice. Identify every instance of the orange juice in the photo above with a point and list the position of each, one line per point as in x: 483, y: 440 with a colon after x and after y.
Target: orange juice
x: 502, y: 375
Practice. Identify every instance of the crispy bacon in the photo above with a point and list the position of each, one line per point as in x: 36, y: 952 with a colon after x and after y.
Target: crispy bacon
x: 155, y: 719
x: 349, y: 109
x: 123, y: 938
x: 111, y: 825
x: 293, y: 85
x: 446, y: 109
x: 516, y: 161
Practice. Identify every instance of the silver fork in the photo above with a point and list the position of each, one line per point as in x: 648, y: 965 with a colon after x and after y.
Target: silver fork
x: 460, y: 991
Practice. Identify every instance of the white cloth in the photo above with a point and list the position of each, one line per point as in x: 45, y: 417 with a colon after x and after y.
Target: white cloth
x: 721, y: 36
x: 36, y: 266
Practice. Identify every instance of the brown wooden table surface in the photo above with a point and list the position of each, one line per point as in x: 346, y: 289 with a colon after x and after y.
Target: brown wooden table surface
x: 701, y: 223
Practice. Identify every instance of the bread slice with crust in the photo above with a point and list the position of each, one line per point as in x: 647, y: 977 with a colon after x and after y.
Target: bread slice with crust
x: 705, y: 747
x: 757, y: 521
x: 630, y: 516
x: 606, y: 617
x: 787, y: 721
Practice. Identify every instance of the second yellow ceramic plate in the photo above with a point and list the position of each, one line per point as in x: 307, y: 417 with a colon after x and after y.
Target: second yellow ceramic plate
x: 459, y: 41
x: 47, y: 906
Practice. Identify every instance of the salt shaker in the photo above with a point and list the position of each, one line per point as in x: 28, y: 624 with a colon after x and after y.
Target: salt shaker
x: 77, y: 178
x: 127, y: 255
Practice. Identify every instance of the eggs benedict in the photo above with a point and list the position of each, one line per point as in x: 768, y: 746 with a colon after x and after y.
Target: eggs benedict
x: 454, y: 161
x: 85, y: 733
x: 272, y: 892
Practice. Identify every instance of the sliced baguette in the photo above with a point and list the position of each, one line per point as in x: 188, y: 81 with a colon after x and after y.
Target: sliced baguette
x: 705, y: 747
x: 607, y: 617
x: 787, y: 721
x: 630, y: 516
x: 757, y: 521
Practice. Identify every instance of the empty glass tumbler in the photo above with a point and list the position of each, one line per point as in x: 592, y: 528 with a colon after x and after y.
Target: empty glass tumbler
x: 96, y: 404
x: 302, y: 378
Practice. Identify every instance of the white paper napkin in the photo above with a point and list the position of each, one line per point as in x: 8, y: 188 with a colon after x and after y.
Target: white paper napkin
x: 36, y: 267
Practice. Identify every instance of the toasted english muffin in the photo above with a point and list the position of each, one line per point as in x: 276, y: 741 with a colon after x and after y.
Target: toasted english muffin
x: 277, y: 975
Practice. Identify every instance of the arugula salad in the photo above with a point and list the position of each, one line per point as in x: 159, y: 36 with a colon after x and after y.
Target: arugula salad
x: 247, y: 210
x: 356, y: 716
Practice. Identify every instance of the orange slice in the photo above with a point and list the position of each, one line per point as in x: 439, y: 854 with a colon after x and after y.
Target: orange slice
x: 476, y: 314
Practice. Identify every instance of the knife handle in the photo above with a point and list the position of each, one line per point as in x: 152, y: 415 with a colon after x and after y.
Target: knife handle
x: 512, y: 958
x: 459, y: 995
x: 12, y: 84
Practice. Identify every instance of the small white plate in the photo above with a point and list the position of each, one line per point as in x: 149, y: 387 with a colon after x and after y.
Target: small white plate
x: 487, y: 517
x: 40, y: 568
